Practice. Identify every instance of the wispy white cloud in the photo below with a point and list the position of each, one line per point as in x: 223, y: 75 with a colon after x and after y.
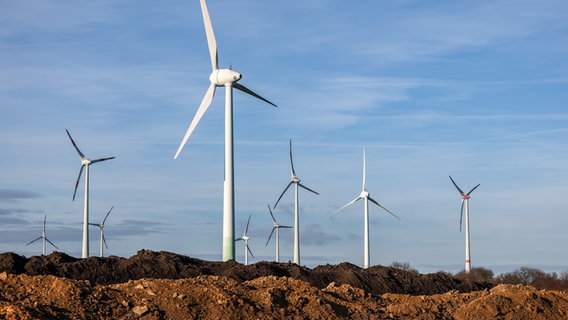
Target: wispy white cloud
x: 419, y: 32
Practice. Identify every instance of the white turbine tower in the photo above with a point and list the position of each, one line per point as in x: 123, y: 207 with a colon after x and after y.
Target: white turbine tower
x: 219, y: 78
x: 275, y: 226
x: 465, y: 203
x: 245, y: 238
x: 367, y: 197
x: 296, y: 181
x: 102, y: 234
x: 44, y: 238
x: 85, y: 163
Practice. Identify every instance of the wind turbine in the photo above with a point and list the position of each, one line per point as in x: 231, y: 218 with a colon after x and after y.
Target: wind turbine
x: 102, y: 237
x: 465, y: 202
x: 367, y: 197
x: 296, y: 181
x: 276, y: 227
x: 246, y: 238
x: 85, y: 163
x: 44, y: 238
x: 218, y: 78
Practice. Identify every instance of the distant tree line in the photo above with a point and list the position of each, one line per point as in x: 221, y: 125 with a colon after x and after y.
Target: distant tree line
x: 403, y: 266
x: 527, y: 276
x: 536, y: 278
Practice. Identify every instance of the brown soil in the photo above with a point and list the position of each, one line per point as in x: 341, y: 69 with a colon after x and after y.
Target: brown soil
x: 163, y: 285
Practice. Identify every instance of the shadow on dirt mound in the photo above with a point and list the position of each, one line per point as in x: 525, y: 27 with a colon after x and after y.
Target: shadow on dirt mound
x: 166, y: 265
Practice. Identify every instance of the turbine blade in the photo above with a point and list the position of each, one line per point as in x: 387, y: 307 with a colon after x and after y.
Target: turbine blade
x: 205, y: 103
x: 303, y: 186
x: 292, y: 162
x: 77, y: 183
x: 461, y: 214
x: 44, y: 222
x: 239, y: 239
x: 460, y: 190
x: 94, y: 224
x: 286, y: 227
x: 51, y: 243
x: 387, y: 210
x: 470, y: 191
x: 34, y: 241
x: 211, y: 43
x: 345, y: 206
x: 103, y: 223
x: 283, y: 192
x: 270, y: 211
x: 104, y: 241
x: 364, y: 171
x: 248, y: 248
x: 270, y: 236
x: 75, y: 145
x: 252, y: 93
x: 102, y: 159
x: 247, y: 227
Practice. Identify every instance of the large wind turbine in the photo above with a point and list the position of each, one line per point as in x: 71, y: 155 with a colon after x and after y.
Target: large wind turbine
x: 276, y: 227
x: 367, y: 197
x: 227, y: 78
x: 85, y: 163
x: 44, y: 238
x: 246, y: 238
x: 102, y: 236
x: 296, y: 181
x: 465, y: 203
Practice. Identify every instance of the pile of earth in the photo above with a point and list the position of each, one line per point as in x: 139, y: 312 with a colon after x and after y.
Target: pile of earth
x: 162, y: 285
x: 148, y: 264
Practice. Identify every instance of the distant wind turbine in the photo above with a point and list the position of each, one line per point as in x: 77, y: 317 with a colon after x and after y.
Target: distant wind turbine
x: 276, y: 227
x: 44, y: 238
x: 245, y: 238
x: 296, y: 181
x: 219, y: 78
x: 465, y: 203
x: 85, y: 163
x: 367, y: 197
x: 102, y: 236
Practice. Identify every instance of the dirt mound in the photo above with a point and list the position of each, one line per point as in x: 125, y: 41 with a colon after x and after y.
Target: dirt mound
x: 163, y: 285
x: 271, y: 297
x: 378, y: 280
x: 165, y: 265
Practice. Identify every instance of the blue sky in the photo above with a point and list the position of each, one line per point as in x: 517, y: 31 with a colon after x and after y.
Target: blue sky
x: 476, y: 90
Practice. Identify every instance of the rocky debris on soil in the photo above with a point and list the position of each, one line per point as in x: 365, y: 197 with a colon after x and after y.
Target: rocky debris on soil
x: 148, y: 264
x: 267, y: 297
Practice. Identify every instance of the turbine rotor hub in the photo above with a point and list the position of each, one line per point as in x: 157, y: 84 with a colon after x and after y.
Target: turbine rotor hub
x: 223, y: 77
x: 296, y: 179
x: 364, y: 194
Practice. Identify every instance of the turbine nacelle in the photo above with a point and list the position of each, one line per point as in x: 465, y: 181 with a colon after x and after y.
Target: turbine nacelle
x: 364, y: 194
x: 295, y: 179
x: 223, y: 77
